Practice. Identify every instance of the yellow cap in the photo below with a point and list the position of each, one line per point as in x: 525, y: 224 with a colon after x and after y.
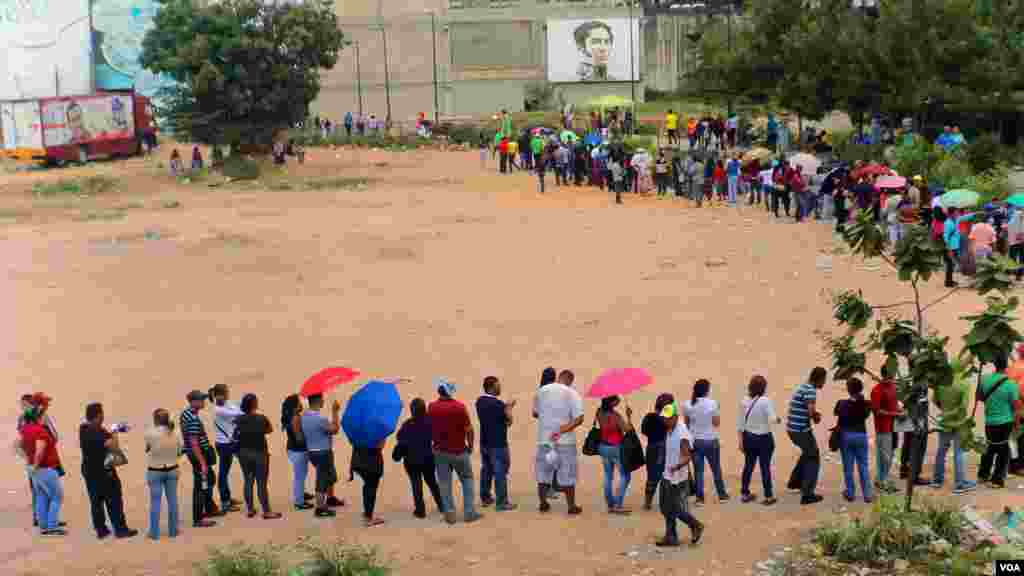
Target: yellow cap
x: 918, y: 178
x: 669, y: 410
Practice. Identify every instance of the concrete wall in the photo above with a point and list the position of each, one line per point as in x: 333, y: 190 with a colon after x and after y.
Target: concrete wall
x: 487, y: 52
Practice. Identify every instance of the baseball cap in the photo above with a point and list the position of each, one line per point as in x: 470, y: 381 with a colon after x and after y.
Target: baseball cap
x: 446, y: 385
x: 669, y: 410
x: 197, y: 395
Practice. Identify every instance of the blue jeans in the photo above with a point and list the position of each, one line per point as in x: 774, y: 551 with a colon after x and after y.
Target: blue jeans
x: 163, y: 483
x: 444, y: 464
x: 854, y: 450
x: 49, y: 497
x: 733, y: 182
x: 711, y: 450
x: 300, y: 468
x: 939, y: 476
x: 494, y: 465
x: 225, y: 457
x: 611, y: 457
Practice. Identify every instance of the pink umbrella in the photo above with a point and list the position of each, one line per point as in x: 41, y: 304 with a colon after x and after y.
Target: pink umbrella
x: 891, y: 182
x: 619, y: 381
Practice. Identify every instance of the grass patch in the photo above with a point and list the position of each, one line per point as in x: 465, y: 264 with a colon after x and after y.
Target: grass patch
x: 88, y: 186
x: 98, y: 215
x: 241, y: 560
x: 314, y: 559
x: 335, y: 183
x: 241, y: 168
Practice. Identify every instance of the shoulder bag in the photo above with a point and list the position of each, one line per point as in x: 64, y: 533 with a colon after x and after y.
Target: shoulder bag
x: 593, y: 440
x: 983, y: 397
x: 115, y: 458
x: 745, y: 419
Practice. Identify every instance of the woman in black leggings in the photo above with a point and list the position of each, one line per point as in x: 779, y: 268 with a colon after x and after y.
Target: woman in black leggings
x: 251, y: 429
x: 369, y: 464
x: 414, y: 448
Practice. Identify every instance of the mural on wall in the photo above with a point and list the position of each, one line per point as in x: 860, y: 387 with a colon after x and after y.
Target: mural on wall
x: 44, y: 48
x: 118, y: 29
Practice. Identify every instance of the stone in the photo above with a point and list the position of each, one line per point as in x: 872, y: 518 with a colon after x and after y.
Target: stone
x: 900, y: 565
x: 715, y: 262
x: 940, y: 547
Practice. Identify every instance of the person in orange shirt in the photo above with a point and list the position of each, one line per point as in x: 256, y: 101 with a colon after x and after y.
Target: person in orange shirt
x: 691, y: 131
x: 1016, y: 372
x: 983, y: 235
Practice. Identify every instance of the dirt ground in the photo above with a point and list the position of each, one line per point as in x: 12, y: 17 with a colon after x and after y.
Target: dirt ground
x: 434, y: 267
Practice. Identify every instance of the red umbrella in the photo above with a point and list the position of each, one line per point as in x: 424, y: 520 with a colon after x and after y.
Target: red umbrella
x: 873, y: 169
x: 326, y: 380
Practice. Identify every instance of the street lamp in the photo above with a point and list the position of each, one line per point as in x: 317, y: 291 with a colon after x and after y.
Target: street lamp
x: 632, y: 73
x: 433, y: 48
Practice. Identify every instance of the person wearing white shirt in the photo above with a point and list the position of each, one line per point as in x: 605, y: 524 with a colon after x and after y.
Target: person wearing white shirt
x: 703, y: 419
x: 673, y: 494
x: 559, y: 410
x: 767, y: 178
x: 224, y: 415
x: 756, y: 418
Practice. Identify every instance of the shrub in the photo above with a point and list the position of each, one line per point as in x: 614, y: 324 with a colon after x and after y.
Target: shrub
x: 338, y: 559
x: 920, y: 157
x: 984, y: 153
x: 846, y: 148
x: 637, y: 142
x: 239, y: 167
x: 646, y: 129
x: 465, y: 134
x: 241, y: 560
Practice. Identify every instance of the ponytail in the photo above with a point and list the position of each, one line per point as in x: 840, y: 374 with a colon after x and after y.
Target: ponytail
x: 700, y: 390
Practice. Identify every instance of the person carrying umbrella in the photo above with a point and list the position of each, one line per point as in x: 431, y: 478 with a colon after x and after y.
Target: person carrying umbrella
x: 319, y: 431
x: 371, y: 415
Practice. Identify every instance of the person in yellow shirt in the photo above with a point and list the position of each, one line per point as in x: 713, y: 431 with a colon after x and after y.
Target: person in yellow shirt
x: 513, y: 153
x: 671, y: 125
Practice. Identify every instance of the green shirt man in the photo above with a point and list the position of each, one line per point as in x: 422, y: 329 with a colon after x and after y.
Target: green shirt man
x: 953, y: 402
x: 537, y: 145
x: 999, y: 404
x: 506, y: 124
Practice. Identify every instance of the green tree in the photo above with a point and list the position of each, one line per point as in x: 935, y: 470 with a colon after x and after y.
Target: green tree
x: 916, y: 259
x: 244, y: 69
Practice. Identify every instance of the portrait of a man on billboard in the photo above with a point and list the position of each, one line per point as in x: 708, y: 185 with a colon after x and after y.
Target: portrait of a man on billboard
x: 594, y: 41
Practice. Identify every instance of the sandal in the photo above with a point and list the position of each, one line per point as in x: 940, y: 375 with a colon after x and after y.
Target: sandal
x: 769, y: 502
x: 370, y: 522
x: 575, y: 511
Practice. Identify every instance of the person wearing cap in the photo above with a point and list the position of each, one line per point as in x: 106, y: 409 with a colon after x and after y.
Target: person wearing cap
x: 674, y: 489
x: 559, y: 410
x: 101, y: 482
x: 24, y: 405
x: 224, y: 416
x: 318, y: 432
x: 202, y: 458
x: 453, y: 436
x: 40, y: 447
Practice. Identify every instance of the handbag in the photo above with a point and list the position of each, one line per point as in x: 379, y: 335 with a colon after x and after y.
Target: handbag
x: 592, y: 443
x: 115, y: 458
x: 632, y: 452
x: 834, y: 439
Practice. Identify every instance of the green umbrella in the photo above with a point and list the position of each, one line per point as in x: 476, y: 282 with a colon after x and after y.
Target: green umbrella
x: 568, y: 136
x: 1016, y: 200
x: 959, y: 198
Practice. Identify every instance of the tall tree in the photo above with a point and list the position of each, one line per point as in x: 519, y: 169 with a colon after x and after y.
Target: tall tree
x: 243, y: 68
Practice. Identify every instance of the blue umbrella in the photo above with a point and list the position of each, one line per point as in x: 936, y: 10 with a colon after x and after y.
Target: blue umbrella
x: 592, y: 139
x: 372, y: 413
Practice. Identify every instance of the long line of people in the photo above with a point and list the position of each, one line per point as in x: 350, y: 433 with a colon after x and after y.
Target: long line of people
x: 436, y: 444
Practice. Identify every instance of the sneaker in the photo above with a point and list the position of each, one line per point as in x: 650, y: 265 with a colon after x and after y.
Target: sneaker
x: 769, y: 501
x: 204, y: 524
x: 936, y: 484
x: 812, y: 499
x: 723, y: 499
x: 698, y: 501
x: 449, y: 517
x: 129, y: 533
x: 474, y: 518
x: 506, y: 507
x: 747, y: 498
x: 55, y: 532
x: 848, y: 498
x: 544, y: 507
x: 964, y: 488
x: 419, y: 514
x: 997, y: 485
x: 698, y: 531
x: 575, y: 511
x: 333, y: 502
x: 324, y: 513
x: 667, y: 543
x: 486, y: 503
x: 304, y: 506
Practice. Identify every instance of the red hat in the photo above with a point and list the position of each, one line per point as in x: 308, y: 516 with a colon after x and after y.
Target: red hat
x: 41, y: 399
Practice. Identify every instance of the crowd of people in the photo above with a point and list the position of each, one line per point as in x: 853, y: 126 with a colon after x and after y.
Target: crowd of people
x: 437, y: 442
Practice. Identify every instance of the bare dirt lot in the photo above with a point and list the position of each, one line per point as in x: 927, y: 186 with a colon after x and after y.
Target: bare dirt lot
x: 142, y: 290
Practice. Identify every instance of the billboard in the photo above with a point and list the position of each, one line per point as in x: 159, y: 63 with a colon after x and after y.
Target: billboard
x: 119, y: 27
x: 88, y: 119
x: 44, y: 48
x: 19, y: 122
x: 593, y: 50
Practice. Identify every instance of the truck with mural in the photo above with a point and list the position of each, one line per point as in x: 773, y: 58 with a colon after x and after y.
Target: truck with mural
x: 76, y: 128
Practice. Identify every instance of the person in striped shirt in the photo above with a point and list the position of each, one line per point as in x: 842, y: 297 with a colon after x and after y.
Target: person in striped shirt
x: 202, y: 457
x: 803, y: 414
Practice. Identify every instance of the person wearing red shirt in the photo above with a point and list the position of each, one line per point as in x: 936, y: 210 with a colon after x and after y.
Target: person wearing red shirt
x: 886, y: 407
x: 503, y: 150
x: 452, y: 434
x: 40, y: 448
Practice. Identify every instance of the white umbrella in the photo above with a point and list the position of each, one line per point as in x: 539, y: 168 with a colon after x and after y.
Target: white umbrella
x: 807, y: 161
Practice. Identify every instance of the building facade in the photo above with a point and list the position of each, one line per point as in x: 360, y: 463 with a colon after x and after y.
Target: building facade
x: 489, y: 51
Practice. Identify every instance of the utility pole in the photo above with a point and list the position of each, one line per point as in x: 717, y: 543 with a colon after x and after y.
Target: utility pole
x: 728, y: 16
x: 359, y: 79
x: 632, y: 73
x: 387, y: 77
x: 433, y: 47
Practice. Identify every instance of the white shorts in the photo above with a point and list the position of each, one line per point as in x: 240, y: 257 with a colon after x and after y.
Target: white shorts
x: 565, y: 468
